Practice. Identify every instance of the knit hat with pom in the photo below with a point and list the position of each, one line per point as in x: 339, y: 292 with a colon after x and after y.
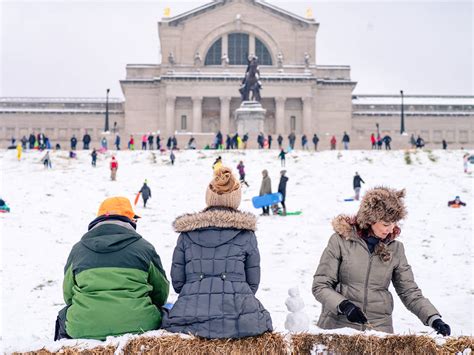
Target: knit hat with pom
x: 224, y: 190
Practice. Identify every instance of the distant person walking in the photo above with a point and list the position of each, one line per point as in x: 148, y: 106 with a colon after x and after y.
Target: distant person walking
x: 117, y: 142
x: 315, y: 142
x: 241, y: 169
x: 145, y: 192
x: 345, y: 141
x: 333, y: 142
x: 357, y: 186
x: 373, y: 141
x: 172, y: 157
x: 387, y: 140
x: 280, y: 141
x: 282, y: 189
x: 86, y: 139
x: 445, y: 144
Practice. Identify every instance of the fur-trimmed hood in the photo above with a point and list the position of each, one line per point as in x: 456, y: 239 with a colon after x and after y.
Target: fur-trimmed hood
x: 348, y: 228
x: 219, y: 217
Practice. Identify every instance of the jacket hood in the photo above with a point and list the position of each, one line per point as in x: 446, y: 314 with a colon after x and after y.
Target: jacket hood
x: 348, y: 228
x: 215, y: 226
x: 215, y: 217
x: 109, y: 237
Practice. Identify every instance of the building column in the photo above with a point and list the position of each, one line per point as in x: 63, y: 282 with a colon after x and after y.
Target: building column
x: 225, y: 114
x: 197, y: 114
x: 307, y: 115
x: 170, y: 103
x: 280, y: 115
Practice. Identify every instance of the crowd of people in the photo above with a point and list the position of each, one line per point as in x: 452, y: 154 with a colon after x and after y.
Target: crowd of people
x: 125, y: 289
x: 150, y: 141
x: 115, y: 283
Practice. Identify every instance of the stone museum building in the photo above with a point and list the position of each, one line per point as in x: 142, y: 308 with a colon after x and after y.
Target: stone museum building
x: 194, y: 90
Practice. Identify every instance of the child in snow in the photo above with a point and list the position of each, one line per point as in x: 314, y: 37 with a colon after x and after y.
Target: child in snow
x: 113, y: 168
x: 217, y: 164
x: 241, y: 169
x: 456, y: 202
x: 114, y: 282
x: 466, y: 162
x: 19, y: 149
x: 47, y: 160
x: 94, y: 157
x: 216, y: 268
x: 282, y: 157
x: 146, y: 192
x: 364, y: 247
x: 172, y: 157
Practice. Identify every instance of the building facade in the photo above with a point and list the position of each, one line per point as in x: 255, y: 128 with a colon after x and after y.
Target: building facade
x: 195, y: 88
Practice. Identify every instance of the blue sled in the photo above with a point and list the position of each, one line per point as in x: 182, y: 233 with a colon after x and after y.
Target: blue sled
x: 267, y: 200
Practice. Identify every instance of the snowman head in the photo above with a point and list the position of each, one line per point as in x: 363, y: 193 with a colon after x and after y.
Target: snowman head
x: 294, y: 292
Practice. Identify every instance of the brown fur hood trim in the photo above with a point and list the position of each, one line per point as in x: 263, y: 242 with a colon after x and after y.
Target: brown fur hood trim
x: 216, y: 217
x: 348, y: 229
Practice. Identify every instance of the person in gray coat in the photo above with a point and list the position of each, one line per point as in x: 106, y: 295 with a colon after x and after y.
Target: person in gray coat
x: 265, y: 188
x: 361, y: 260
x: 216, y: 268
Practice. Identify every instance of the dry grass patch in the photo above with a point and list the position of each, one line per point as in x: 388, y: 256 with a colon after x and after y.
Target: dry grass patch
x: 268, y: 343
x: 392, y: 344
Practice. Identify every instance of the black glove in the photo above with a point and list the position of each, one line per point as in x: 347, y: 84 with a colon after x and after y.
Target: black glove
x: 353, y: 313
x: 441, y: 327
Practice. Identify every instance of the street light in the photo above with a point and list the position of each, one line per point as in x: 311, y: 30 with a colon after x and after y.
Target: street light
x: 402, y: 118
x: 106, y: 128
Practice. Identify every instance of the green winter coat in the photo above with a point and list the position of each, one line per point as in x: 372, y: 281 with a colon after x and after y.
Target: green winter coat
x: 114, y: 283
x: 348, y: 271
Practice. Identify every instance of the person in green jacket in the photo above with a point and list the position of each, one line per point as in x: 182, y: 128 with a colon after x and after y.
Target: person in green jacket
x: 361, y: 260
x: 114, y: 282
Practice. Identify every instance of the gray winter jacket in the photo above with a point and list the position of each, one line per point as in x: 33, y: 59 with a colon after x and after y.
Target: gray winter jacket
x: 216, y: 272
x: 348, y: 271
x: 266, y: 187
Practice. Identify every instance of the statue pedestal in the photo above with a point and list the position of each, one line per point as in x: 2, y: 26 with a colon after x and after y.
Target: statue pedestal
x: 250, y: 118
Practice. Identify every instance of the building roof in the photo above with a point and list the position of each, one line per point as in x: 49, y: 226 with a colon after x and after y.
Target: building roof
x: 437, y: 100
x: 175, y: 20
x: 49, y: 100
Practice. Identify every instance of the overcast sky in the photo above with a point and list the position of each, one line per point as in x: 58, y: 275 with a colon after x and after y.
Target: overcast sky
x: 80, y: 48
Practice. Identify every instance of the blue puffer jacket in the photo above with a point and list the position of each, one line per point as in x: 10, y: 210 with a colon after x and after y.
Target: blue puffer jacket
x: 216, y: 272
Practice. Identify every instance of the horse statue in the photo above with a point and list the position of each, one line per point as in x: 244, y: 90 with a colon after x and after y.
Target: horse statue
x: 251, y: 82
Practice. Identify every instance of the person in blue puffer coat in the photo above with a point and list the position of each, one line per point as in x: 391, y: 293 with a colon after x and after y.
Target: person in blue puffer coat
x: 216, y: 268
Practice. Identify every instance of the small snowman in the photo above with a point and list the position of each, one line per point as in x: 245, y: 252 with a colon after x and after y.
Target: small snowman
x: 297, y: 320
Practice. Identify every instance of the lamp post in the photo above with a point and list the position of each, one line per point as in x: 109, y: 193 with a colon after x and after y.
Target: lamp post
x: 106, y: 128
x: 402, y: 117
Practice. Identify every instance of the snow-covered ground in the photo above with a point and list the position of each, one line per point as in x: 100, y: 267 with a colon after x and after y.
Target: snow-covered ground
x: 50, y: 211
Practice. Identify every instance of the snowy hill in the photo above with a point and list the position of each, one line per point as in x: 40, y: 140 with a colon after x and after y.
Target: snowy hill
x: 52, y: 208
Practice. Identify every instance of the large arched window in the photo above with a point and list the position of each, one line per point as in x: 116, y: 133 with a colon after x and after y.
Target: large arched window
x: 213, y: 56
x: 238, y: 49
x: 262, y: 53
